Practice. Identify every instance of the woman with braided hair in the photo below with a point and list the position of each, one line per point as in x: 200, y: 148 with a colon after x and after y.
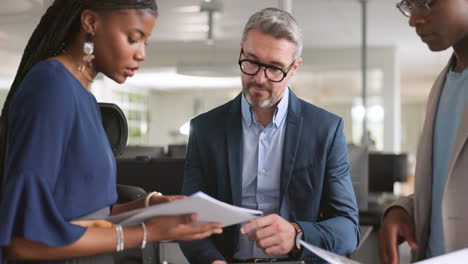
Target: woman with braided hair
x: 57, y: 169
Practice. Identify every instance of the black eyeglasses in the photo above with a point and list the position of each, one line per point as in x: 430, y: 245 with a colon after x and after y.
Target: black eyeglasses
x: 272, y: 73
x: 423, y: 7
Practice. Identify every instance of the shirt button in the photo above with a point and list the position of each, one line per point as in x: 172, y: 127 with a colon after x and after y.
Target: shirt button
x: 263, y: 171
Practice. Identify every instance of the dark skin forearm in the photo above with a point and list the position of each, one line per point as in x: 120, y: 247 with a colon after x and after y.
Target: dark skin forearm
x: 101, y: 237
x: 122, y: 208
x: 137, y: 204
x: 96, y: 240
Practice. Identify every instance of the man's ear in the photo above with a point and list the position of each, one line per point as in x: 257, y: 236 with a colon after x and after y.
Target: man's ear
x: 89, y: 20
x: 296, y: 66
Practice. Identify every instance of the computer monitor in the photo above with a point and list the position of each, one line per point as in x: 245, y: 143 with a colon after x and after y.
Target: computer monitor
x: 164, y: 175
x: 131, y: 152
x: 176, y: 150
x: 385, y: 169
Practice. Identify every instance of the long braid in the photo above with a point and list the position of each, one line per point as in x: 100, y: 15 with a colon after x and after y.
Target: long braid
x: 57, y: 27
x: 45, y: 41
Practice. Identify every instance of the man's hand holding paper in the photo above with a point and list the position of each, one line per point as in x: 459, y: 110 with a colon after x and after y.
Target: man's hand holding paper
x: 271, y: 233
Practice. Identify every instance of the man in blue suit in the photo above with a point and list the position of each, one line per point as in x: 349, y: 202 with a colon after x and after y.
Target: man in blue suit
x: 271, y: 151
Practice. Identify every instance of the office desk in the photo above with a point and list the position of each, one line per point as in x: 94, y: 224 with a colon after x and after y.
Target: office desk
x: 368, y: 249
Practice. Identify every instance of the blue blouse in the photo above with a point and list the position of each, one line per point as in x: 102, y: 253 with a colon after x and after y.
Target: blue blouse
x: 59, y: 164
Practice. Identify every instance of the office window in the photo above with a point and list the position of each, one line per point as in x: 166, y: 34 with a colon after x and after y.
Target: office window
x: 134, y: 104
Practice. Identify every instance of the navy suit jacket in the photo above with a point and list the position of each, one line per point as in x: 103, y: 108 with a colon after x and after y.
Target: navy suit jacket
x: 315, y: 180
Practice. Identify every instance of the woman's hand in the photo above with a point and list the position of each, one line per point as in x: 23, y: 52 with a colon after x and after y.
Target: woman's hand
x: 137, y: 204
x: 180, y: 227
x: 159, y: 199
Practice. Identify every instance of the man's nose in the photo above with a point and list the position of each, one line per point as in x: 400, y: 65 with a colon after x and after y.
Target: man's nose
x: 260, y: 77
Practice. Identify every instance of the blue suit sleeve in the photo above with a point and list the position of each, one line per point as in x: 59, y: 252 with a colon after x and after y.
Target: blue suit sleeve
x: 40, y: 123
x: 339, y: 232
x: 202, y: 251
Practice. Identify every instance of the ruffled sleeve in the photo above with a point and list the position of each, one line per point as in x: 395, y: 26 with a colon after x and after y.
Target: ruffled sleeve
x: 40, y: 126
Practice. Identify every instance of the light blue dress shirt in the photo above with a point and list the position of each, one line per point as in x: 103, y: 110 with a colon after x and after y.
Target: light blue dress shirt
x: 262, y: 156
x: 452, y: 104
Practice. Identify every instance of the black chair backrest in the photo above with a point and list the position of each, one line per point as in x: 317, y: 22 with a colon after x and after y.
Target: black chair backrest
x: 129, y: 193
x: 115, y: 125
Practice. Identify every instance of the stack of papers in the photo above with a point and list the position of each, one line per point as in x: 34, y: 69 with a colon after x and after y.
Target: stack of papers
x: 208, y: 209
x: 459, y: 256
x: 330, y: 257
x: 456, y: 257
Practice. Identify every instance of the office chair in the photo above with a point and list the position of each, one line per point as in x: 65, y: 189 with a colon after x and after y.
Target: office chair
x: 115, y: 125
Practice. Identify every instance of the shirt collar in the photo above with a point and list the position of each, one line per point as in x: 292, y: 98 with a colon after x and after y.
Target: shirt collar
x: 280, y: 112
x: 281, y: 108
x: 246, y: 113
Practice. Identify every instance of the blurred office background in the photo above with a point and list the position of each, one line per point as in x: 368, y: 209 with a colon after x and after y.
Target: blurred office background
x: 191, y: 67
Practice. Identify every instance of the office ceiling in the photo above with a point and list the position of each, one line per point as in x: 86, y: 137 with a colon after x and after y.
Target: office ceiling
x: 181, y: 25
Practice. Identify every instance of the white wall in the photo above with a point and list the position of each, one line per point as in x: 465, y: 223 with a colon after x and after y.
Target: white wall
x: 169, y: 110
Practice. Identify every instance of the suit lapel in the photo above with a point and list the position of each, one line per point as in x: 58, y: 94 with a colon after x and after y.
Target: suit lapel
x: 291, y: 143
x: 423, y: 177
x: 234, y: 150
x: 459, y: 143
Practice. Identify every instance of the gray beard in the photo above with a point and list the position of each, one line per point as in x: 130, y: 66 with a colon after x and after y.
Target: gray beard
x: 265, y: 104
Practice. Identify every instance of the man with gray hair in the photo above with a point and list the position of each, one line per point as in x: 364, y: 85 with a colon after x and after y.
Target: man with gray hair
x: 271, y: 151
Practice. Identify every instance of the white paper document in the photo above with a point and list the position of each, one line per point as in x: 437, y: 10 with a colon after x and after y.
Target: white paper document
x: 332, y: 258
x: 456, y: 257
x: 208, y: 209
